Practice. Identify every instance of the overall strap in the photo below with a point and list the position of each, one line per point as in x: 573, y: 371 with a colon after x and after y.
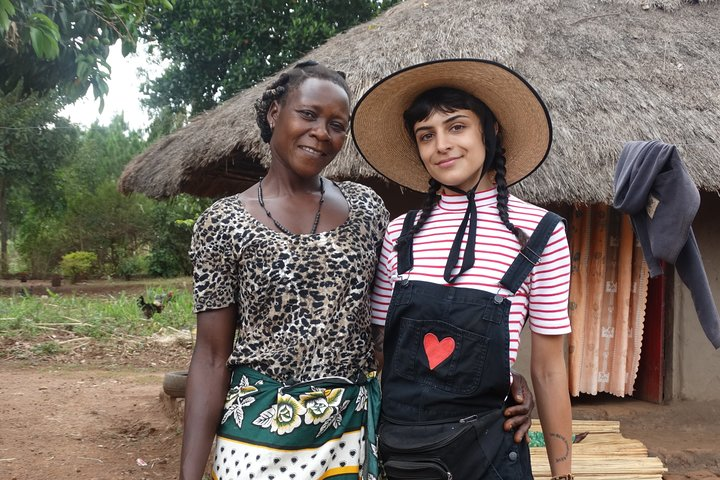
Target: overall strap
x: 530, y: 254
x: 405, y: 253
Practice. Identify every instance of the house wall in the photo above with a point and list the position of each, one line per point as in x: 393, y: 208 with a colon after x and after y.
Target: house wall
x: 693, y: 371
x: 695, y: 366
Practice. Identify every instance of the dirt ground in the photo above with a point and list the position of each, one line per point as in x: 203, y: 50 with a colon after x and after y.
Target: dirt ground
x: 97, y: 412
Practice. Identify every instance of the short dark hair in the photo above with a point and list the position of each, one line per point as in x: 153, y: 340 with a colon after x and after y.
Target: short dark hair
x: 290, y: 80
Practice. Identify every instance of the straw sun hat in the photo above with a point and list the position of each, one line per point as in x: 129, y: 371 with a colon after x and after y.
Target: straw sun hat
x: 379, y: 132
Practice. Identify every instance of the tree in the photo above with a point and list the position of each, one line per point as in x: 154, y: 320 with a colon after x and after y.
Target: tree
x: 102, y: 154
x: 34, y: 143
x: 97, y: 217
x: 107, y: 223
x: 218, y: 47
x: 64, y: 44
x: 58, y: 47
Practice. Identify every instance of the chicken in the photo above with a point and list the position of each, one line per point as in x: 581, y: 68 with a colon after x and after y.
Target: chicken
x: 157, y: 305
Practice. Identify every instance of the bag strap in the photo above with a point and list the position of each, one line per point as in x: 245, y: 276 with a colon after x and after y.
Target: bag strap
x: 530, y: 254
x: 405, y: 254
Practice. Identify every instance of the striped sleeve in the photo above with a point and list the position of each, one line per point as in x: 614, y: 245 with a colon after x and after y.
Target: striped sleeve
x: 387, y: 267
x: 550, y: 287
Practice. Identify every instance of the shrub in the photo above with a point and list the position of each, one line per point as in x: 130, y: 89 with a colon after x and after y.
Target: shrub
x: 134, y: 265
x: 77, y: 265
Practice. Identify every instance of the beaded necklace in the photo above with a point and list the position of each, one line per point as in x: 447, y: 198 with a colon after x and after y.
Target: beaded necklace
x: 281, y: 227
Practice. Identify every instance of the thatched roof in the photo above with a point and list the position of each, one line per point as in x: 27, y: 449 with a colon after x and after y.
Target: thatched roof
x: 610, y: 72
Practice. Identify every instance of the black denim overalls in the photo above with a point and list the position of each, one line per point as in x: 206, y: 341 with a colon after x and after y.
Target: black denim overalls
x: 447, y: 366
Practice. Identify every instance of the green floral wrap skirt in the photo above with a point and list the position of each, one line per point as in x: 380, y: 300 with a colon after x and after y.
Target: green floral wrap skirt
x: 324, y: 429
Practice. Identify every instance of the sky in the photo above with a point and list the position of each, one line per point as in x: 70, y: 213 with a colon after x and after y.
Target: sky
x: 124, y: 94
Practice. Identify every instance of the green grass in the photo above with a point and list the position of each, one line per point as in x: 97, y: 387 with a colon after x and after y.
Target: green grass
x: 95, y: 316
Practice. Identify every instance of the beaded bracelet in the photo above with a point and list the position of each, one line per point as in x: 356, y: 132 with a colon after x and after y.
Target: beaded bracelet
x: 567, y: 476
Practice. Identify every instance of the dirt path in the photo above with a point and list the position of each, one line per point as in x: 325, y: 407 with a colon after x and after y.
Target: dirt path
x: 89, y: 423
x: 98, y: 416
x: 63, y: 419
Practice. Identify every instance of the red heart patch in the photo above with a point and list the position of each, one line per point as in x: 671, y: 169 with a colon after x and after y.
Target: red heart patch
x: 437, y: 351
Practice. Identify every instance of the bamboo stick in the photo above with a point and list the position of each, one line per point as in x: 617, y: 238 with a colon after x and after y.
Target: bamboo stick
x: 580, y: 426
x: 603, y: 455
x: 603, y: 465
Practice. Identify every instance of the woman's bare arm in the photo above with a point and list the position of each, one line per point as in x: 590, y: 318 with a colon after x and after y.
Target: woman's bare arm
x: 550, y: 383
x: 206, y: 389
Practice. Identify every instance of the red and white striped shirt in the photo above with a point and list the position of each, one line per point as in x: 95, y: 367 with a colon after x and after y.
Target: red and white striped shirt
x: 543, y: 296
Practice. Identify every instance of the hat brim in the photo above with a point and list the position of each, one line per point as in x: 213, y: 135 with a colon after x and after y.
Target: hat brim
x: 379, y: 132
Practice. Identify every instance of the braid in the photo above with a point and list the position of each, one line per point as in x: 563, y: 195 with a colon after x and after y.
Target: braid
x: 275, y: 92
x: 502, y: 196
x: 430, y: 201
x: 278, y: 90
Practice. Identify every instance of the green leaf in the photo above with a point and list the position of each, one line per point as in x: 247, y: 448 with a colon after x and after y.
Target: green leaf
x: 44, y: 36
x: 6, y: 11
x: 83, y: 69
x: 103, y: 86
x: 118, y: 8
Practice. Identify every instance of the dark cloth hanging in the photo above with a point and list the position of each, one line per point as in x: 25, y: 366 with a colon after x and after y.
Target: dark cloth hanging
x: 654, y: 188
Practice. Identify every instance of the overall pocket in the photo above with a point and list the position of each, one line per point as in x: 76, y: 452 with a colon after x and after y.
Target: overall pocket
x: 440, y: 355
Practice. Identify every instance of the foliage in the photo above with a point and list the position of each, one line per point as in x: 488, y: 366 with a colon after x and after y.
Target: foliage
x: 102, y: 154
x: 131, y: 266
x: 107, y: 222
x: 76, y: 265
x: 34, y: 142
x: 173, y: 220
x: 164, y: 122
x: 218, y: 47
x: 97, y: 216
x: 47, y: 348
x: 88, y: 213
x: 65, y: 43
x: 41, y: 241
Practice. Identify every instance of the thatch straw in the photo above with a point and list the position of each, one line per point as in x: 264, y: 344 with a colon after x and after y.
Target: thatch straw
x: 610, y: 72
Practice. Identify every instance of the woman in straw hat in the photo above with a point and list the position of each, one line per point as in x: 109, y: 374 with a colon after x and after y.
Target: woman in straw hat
x: 283, y: 366
x: 458, y: 280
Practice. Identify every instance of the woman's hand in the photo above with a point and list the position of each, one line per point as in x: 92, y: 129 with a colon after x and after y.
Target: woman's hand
x: 378, y: 339
x: 518, y: 416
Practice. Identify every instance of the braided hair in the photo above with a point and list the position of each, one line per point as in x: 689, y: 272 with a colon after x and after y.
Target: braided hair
x: 286, y: 82
x: 503, y: 195
x: 446, y: 100
x: 430, y: 201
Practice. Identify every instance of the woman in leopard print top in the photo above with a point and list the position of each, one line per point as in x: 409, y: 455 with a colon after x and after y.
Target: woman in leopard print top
x: 283, y: 361
x: 304, y: 297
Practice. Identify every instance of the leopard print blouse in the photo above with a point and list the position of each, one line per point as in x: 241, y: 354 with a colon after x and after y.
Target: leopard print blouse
x: 303, y: 309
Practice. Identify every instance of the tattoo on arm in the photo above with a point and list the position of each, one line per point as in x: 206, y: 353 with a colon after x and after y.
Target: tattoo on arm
x: 561, y: 438
x: 378, y: 337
